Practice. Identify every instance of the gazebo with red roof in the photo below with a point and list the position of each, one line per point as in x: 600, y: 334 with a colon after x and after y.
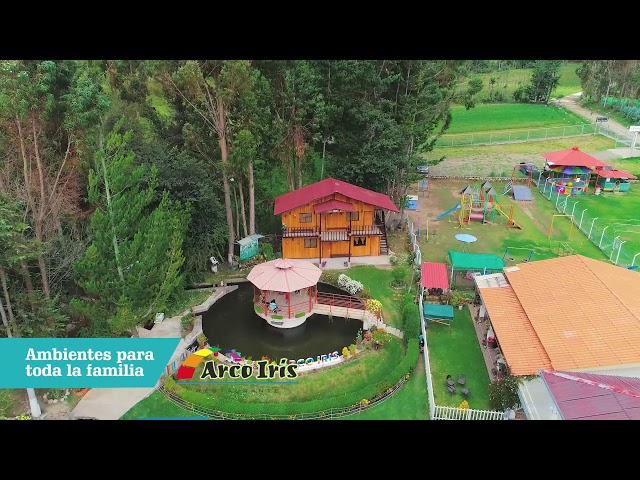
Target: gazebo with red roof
x: 569, y: 171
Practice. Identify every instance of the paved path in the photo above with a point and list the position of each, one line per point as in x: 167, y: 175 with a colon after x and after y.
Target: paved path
x: 113, y: 403
x: 571, y: 102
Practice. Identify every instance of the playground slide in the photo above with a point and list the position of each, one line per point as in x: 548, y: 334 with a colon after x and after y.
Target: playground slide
x: 446, y: 213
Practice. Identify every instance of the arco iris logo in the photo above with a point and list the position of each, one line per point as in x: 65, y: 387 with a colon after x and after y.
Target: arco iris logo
x: 261, y: 370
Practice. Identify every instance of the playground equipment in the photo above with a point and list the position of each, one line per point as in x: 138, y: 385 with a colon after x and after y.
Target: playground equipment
x: 506, y: 256
x: 446, y: 213
x: 477, y: 204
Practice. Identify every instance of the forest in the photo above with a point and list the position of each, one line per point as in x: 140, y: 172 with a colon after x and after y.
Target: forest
x: 120, y: 179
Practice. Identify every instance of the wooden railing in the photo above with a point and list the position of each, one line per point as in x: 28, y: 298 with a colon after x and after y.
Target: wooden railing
x: 337, y: 300
x: 338, y: 232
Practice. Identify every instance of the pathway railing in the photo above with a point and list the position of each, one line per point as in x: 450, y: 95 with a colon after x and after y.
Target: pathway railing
x: 320, y: 415
x: 454, y: 413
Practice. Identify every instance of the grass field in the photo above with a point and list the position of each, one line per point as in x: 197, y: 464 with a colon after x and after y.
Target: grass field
x: 535, y: 217
x: 410, y: 403
x: 453, y: 351
x: 621, y: 212
x: 498, y: 160
x: 507, y: 81
x: 377, y: 281
x: 508, y: 116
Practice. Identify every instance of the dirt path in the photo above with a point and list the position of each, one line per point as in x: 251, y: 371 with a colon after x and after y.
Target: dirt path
x: 570, y: 102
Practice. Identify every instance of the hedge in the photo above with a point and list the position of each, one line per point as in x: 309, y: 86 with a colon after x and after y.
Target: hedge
x: 404, y: 367
x: 410, y: 318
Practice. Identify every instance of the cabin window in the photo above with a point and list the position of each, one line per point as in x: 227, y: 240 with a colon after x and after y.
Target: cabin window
x: 311, y: 242
x: 305, y: 218
x: 359, y: 241
x: 354, y: 216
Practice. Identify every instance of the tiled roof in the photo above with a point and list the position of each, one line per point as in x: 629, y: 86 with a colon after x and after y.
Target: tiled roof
x: 519, y: 342
x: 586, y: 313
x: 583, y: 396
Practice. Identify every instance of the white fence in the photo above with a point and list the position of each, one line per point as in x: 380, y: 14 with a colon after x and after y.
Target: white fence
x: 454, y: 413
x: 529, y: 135
x: 437, y: 412
x: 518, y: 136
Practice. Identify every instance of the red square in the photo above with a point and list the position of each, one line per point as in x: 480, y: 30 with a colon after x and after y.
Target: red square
x: 185, y: 373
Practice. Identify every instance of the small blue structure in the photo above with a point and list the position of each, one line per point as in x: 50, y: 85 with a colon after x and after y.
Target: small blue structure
x: 438, y: 313
x: 412, y: 202
x: 522, y: 193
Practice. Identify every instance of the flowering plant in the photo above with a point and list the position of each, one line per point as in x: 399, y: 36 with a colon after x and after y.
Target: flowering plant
x: 350, y: 285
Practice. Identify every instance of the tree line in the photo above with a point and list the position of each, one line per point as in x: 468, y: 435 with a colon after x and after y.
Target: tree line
x: 119, y: 179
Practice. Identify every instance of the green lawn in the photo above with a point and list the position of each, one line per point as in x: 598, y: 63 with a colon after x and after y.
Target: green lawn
x: 509, y: 116
x: 377, y: 281
x: 507, y: 81
x: 620, y: 211
x: 410, y: 403
x: 453, y: 351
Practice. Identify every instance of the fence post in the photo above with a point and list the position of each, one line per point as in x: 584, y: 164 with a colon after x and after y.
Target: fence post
x: 490, y: 136
x: 564, y: 129
x: 613, y: 248
x: 581, y: 216
x: 633, y: 261
x: 592, y: 223
x: 602, y: 236
x: 618, y: 256
x: 573, y: 209
x: 557, y: 198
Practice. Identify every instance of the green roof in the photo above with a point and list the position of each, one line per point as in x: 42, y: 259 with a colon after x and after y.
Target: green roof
x: 434, y: 310
x: 250, y: 239
x: 475, y: 261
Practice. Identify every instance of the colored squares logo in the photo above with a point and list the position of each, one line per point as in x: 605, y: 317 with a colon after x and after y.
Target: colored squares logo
x: 188, y: 367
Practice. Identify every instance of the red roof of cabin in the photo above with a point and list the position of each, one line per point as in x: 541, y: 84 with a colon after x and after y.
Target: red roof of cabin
x: 326, y: 188
x: 434, y: 275
x: 333, y: 205
x: 616, y: 174
x: 585, y: 396
x: 574, y: 157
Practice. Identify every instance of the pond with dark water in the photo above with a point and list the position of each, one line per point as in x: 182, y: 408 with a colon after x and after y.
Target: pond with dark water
x: 231, y: 323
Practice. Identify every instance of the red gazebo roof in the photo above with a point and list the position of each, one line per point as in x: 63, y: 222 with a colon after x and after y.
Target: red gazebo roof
x: 434, y: 275
x: 284, y: 275
x: 616, y: 174
x: 326, y: 188
x: 574, y: 157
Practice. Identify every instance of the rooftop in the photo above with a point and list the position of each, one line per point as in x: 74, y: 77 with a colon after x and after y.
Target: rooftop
x: 326, y: 188
x: 566, y: 313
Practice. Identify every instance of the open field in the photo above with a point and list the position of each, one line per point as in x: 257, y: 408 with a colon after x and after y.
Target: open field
x: 507, y: 81
x: 487, y: 117
x: 535, y: 217
x: 498, y: 160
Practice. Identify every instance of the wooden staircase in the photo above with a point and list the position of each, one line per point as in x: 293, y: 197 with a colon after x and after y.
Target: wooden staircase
x: 384, y: 246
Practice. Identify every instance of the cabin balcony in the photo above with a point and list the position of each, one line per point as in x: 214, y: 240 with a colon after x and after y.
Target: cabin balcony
x: 333, y: 234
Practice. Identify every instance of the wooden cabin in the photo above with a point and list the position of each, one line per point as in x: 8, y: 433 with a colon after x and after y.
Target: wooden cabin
x: 332, y: 218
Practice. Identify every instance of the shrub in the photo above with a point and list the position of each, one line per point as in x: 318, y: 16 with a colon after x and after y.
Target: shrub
x: 352, y: 349
x: 399, y: 274
x: 329, y: 277
x: 350, y: 285
x: 6, y: 402
x: 503, y: 393
x: 364, y: 293
x: 267, y: 251
x: 464, y: 405
x: 345, y: 352
x: 374, y: 306
x: 460, y: 298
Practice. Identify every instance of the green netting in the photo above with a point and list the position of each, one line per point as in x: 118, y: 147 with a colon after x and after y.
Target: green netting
x: 475, y: 261
x: 432, y: 310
